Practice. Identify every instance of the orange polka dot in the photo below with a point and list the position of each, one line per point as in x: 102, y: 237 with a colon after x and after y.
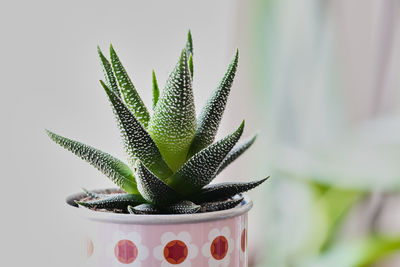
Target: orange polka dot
x: 219, y: 247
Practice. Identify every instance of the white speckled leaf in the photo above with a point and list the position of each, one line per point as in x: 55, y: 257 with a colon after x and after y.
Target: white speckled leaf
x: 137, y: 141
x: 222, y: 205
x: 153, y: 189
x: 224, y: 191
x: 108, y: 73
x: 173, y: 123
x: 144, y: 209
x: 211, y: 114
x: 238, y: 150
x: 182, y: 207
x: 201, y: 169
x: 114, y: 201
x: 129, y: 93
x: 113, y: 168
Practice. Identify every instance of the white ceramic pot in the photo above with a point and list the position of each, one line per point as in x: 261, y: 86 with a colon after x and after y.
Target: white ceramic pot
x: 190, y: 240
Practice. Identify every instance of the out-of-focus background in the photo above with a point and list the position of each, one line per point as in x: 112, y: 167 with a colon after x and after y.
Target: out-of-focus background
x: 318, y: 80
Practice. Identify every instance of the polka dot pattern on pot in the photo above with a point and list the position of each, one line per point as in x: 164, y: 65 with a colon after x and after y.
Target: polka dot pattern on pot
x: 217, y: 245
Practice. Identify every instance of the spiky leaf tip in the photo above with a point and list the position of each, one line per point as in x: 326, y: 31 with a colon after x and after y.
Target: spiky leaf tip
x: 138, y: 143
x: 156, y: 90
x: 108, y: 72
x: 153, y: 189
x: 113, y: 201
x: 222, y: 191
x: 128, y: 90
x: 189, y: 51
x: 221, y: 205
x: 211, y: 114
x: 201, y: 169
x: 173, y: 123
x: 236, y: 152
x: 189, y: 44
x: 113, y: 168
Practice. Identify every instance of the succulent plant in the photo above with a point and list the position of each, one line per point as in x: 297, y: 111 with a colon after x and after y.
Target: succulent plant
x: 171, y: 154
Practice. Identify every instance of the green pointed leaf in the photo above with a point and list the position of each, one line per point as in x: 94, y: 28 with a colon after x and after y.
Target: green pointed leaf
x: 236, y: 152
x: 108, y: 73
x: 182, y: 207
x: 113, y: 201
x: 153, y: 189
x: 173, y: 123
x: 221, y: 205
x: 156, y: 91
x: 211, y: 115
x: 138, y: 142
x: 129, y: 93
x: 189, y: 44
x: 191, y: 65
x: 143, y: 209
x: 189, y: 52
x: 201, y: 169
x: 222, y: 191
x: 113, y: 168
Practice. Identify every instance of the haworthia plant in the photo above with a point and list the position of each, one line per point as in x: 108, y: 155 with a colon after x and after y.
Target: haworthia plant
x: 171, y: 154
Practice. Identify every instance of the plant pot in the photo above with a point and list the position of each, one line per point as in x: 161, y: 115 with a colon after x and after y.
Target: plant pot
x: 191, y: 240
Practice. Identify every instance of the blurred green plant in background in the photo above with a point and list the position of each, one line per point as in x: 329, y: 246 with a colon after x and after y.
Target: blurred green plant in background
x: 329, y: 97
x: 313, y: 228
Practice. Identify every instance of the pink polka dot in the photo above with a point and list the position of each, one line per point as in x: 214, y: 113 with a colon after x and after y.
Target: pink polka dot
x: 126, y: 251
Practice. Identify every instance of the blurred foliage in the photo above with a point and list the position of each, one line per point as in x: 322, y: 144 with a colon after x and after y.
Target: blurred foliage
x: 330, y: 153
x: 314, y: 234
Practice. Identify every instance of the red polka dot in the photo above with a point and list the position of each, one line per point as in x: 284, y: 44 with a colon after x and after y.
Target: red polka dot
x: 219, y: 247
x: 243, y: 240
x: 175, y: 252
x: 126, y: 251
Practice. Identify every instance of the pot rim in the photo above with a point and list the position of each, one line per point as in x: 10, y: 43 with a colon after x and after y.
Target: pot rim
x: 108, y: 217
